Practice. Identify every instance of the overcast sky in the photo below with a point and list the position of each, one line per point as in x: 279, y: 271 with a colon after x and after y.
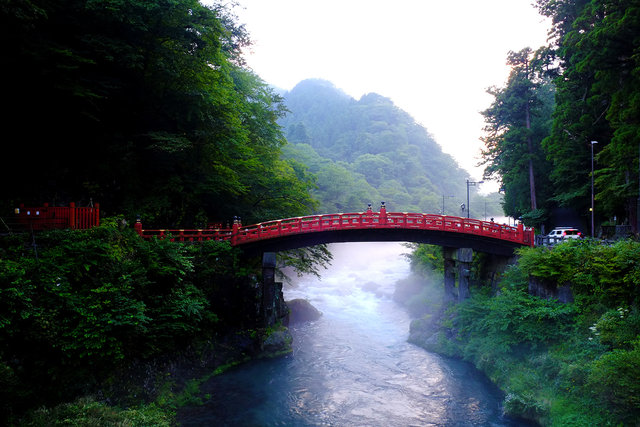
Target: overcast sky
x: 434, y: 59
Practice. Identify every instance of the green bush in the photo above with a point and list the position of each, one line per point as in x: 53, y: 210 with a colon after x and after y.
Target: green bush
x: 597, y: 273
x: 618, y: 328
x: 91, y: 413
x: 615, y: 379
x: 82, y: 303
x: 427, y: 259
x: 511, y: 319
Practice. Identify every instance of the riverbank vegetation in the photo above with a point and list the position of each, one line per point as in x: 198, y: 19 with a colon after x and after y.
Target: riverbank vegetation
x: 561, y: 364
x: 104, y: 313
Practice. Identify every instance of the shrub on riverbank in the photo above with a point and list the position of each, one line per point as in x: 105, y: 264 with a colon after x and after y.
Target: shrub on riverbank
x: 76, y: 306
x: 574, y: 364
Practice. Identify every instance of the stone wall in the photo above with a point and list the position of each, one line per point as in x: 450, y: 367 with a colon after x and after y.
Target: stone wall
x: 548, y: 289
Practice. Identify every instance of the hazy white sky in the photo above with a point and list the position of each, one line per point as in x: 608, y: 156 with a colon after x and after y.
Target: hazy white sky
x: 434, y: 59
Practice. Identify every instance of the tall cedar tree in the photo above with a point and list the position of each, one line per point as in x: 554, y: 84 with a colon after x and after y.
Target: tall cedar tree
x: 517, y: 121
x: 595, y: 47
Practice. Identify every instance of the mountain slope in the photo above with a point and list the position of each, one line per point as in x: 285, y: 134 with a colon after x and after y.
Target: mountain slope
x: 368, y: 150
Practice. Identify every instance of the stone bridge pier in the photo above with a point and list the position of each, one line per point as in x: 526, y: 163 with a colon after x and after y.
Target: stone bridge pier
x: 460, y: 260
x: 272, y: 305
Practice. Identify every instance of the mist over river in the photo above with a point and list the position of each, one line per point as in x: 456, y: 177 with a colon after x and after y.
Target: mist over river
x: 353, y: 366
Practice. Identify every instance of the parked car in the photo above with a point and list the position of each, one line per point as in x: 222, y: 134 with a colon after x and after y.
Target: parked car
x: 559, y: 233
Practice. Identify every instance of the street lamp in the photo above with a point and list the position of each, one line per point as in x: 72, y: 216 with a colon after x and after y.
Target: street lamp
x: 592, y: 198
x: 470, y: 183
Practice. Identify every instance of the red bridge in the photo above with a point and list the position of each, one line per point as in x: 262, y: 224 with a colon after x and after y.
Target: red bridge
x: 54, y: 217
x: 290, y: 233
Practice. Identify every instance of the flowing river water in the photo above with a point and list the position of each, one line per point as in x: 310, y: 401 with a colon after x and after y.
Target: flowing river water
x: 353, y: 366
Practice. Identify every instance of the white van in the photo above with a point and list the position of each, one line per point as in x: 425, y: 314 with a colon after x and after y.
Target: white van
x: 561, y: 233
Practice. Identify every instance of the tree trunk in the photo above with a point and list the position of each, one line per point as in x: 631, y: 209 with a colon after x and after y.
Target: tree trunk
x: 532, y: 183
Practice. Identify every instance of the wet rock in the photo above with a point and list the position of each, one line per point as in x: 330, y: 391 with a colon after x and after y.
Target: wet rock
x: 277, y: 344
x: 301, y: 310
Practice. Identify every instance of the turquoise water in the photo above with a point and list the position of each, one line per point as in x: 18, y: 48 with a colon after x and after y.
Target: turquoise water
x: 353, y: 366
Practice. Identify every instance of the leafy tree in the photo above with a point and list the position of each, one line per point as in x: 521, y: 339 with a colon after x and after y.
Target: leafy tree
x: 374, y: 166
x: 144, y: 106
x: 517, y: 122
x: 341, y: 191
x: 594, y: 47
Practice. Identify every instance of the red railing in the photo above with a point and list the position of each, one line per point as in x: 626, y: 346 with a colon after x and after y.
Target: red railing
x: 49, y: 217
x: 240, y: 234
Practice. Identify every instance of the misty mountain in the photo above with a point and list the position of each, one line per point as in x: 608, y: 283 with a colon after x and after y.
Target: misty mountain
x: 368, y: 150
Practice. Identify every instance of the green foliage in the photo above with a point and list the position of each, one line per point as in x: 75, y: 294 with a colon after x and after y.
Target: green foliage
x: 426, y: 259
x: 92, y: 301
x: 591, y: 65
x: 604, y: 273
x: 517, y: 122
x: 306, y: 260
x: 618, y: 329
x: 89, y: 412
x: 511, y: 319
x: 593, y: 46
x: 560, y: 364
x: 179, y: 131
x: 615, y: 379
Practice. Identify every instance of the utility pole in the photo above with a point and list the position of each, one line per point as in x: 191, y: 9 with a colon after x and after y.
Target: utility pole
x: 443, y: 203
x: 592, y: 193
x: 470, y: 183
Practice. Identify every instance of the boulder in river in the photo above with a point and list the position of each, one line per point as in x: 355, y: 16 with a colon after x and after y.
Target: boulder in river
x: 301, y: 310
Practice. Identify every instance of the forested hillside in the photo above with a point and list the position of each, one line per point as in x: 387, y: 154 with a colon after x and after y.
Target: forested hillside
x: 368, y: 150
x: 145, y: 107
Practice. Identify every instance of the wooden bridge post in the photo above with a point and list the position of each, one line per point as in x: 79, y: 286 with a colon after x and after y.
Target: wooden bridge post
x: 235, y: 229
x: 138, y: 226
x: 72, y: 215
x: 383, y: 213
x: 96, y: 218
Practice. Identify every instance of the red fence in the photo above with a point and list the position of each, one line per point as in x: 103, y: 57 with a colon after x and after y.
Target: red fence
x: 49, y: 217
x: 240, y: 234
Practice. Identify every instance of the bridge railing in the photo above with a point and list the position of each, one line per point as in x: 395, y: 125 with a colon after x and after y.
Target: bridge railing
x: 186, y: 235
x: 240, y: 234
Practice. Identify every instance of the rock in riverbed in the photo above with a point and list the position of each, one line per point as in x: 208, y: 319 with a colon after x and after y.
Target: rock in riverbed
x: 301, y: 310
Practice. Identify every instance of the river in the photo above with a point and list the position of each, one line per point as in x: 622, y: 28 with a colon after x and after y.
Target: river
x: 353, y: 366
